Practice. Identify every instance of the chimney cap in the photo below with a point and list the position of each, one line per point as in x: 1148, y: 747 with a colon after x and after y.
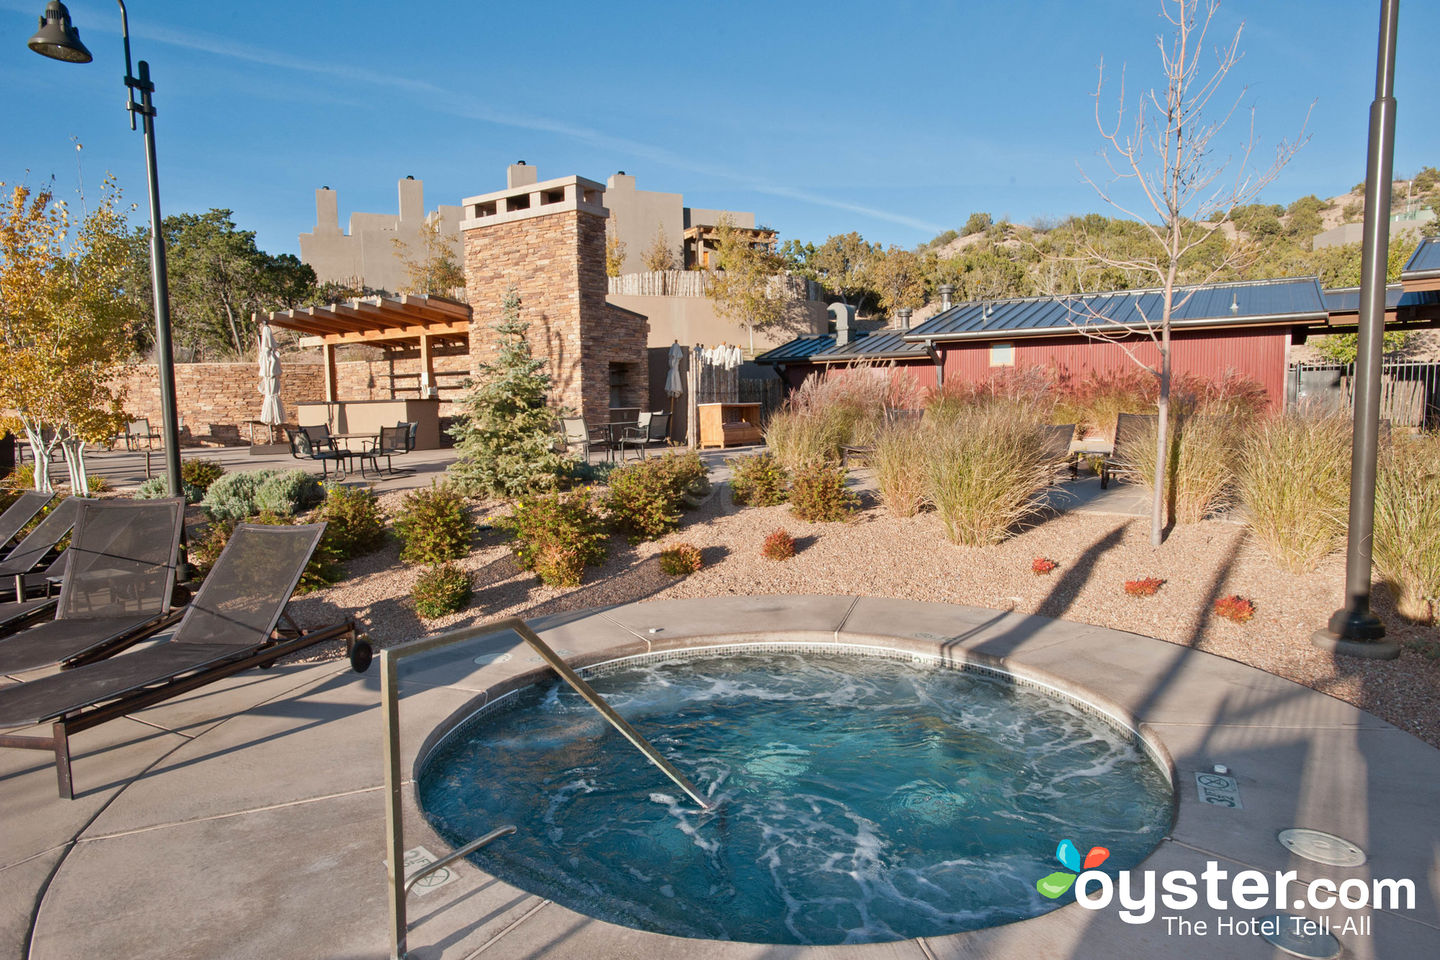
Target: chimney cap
x: 519, y: 163
x: 409, y: 177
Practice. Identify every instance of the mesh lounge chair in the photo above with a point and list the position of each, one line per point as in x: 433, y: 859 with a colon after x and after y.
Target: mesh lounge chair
x: 119, y: 574
x: 19, y: 513
x: 653, y: 430
x: 16, y: 613
x: 38, y: 543
x: 1129, y: 428
x: 228, y: 627
x: 1057, y: 448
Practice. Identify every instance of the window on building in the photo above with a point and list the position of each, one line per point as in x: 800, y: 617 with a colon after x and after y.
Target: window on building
x: 1002, y: 354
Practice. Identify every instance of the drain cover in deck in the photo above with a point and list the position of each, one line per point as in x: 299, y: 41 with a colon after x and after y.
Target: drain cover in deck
x: 1286, y: 936
x: 1321, y: 847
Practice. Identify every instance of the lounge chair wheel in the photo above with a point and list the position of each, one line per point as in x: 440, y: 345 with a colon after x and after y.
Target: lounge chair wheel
x: 361, y: 653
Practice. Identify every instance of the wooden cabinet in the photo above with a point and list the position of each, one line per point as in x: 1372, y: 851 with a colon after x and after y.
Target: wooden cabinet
x: 729, y: 424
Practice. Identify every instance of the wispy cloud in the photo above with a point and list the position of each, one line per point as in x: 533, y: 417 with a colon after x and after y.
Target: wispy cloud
x: 465, y: 107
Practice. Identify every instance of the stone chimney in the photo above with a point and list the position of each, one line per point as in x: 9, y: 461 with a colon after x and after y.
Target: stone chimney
x: 902, y: 317
x: 843, y: 316
x: 519, y: 174
x: 947, y: 292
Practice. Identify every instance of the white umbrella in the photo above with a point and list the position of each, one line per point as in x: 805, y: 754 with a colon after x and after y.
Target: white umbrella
x: 674, y: 387
x: 272, y: 411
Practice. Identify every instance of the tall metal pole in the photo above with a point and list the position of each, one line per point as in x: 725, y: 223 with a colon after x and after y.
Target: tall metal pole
x: 1354, y: 630
x: 164, y: 351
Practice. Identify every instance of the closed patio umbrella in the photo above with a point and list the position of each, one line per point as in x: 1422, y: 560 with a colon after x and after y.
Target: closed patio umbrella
x: 674, y: 386
x: 272, y: 411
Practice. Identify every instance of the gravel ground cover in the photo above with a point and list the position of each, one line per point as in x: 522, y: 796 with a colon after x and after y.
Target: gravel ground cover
x: 877, y: 555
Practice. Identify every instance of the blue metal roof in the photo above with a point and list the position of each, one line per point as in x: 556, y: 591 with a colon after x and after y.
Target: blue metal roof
x: 1347, y: 299
x: 1220, y: 304
x: 879, y: 345
x: 1425, y: 261
x: 801, y: 348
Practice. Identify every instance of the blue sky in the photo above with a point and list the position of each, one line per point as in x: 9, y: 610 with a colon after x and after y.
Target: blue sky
x: 895, y: 119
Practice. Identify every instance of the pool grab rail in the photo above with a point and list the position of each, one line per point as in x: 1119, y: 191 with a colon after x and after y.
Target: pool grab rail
x: 394, y: 781
x: 451, y: 857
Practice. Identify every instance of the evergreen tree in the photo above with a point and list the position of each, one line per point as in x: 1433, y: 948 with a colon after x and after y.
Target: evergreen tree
x: 505, y: 435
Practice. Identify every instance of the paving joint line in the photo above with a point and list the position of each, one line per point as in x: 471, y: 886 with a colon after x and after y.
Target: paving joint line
x: 233, y: 813
x: 509, y: 927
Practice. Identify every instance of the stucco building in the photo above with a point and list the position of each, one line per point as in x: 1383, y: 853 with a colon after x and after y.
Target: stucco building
x: 367, y: 254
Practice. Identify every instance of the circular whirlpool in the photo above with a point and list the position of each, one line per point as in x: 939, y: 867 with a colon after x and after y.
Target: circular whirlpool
x: 856, y: 798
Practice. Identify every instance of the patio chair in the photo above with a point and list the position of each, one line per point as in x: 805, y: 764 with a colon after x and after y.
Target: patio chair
x: 119, y: 575
x: 653, y: 430
x: 574, y: 433
x: 1129, y: 428
x: 1057, y: 440
x: 25, y: 508
x: 138, y: 432
x: 305, y: 446
x: 229, y: 627
x: 392, y: 442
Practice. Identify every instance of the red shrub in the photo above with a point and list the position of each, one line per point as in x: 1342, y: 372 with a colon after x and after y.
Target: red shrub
x: 1042, y: 565
x: 1145, y: 587
x: 778, y: 546
x: 1235, y: 607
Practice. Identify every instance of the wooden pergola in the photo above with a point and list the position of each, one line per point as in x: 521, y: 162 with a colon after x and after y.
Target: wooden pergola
x: 392, y: 323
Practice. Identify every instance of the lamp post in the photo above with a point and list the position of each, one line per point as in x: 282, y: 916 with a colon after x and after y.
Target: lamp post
x: 1354, y: 629
x: 58, y: 39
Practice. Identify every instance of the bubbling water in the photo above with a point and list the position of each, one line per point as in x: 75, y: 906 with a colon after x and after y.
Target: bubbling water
x: 857, y: 799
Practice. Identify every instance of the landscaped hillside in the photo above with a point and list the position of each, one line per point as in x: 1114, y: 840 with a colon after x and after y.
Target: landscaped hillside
x: 987, y: 259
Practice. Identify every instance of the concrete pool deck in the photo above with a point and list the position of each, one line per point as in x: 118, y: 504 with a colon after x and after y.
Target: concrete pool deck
x: 246, y: 819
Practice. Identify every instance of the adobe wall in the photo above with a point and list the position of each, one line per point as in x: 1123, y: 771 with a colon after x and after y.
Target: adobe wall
x: 227, y: 395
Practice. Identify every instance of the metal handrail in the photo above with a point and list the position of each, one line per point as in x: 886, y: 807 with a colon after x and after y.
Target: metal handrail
x: 450, y: 858
x: 394, y: 782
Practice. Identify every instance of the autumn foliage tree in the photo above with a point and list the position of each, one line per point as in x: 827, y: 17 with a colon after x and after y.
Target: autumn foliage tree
x: 65, y: 324
x: 748, y: 288
x: 430, y: 267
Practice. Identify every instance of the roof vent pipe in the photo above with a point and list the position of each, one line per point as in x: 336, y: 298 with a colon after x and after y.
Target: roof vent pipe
x: 903, y: 316
x: 844, y: 317
x: 947, y: 291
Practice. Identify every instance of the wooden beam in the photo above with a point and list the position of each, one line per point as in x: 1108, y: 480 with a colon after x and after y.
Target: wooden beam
x: 331, y: 384
x: 378, y: 336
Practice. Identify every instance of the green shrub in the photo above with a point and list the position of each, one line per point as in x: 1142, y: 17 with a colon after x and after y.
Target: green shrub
x: 204, y: 550
x: 441, y: 590
x: 158, y: 488
x: 758, y: 481
x: 94, y: 483
x: 1200, y: 468
x: 232, y: 497
x: 778, y: 546
x: 899, y: 465
x: 1294, y: 479
x: 353, y: 519
x: 434, y: 525
x: 645, y: 498
x: 818, y: 493
x: 985, y: 472
x: 201, y: 473
x: 557, y: 535
x: 1407, y: 524
x: 681, y: 560
x: 289, y: 493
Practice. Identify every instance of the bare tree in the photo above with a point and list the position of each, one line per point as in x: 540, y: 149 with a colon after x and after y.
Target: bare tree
x: 1164, y: 175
